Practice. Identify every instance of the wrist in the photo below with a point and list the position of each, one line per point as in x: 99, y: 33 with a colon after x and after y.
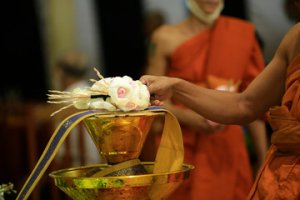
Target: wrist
x: 175, y: 83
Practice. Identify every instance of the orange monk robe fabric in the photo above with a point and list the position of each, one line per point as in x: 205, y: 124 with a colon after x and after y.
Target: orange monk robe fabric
x: 280, y: 175
x: 222, y: 168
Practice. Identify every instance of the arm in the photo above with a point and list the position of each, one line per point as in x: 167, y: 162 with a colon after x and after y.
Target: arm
x: 233, y: 108
x: 256, y: 129
x: 192, y: 119
x: 158, y: 52
x: 258, y: 136
x: 221, y: 106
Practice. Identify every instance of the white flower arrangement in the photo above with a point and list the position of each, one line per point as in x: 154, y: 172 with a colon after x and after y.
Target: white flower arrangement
x: 108, y: 94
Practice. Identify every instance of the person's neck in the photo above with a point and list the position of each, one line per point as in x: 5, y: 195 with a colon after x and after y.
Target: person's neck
x: 196, y: 25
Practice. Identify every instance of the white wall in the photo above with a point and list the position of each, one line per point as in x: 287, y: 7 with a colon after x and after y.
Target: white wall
x: 268, y: 16
x: 174, y: 10
x: 77, y: 29
x: 271, y: 23
x: 88, y: 34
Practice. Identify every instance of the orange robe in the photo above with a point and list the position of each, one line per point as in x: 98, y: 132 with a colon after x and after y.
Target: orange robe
x: 280, y: 175
x: 228, y: 51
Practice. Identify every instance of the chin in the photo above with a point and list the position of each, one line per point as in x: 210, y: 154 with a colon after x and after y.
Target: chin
x: 208, y: 9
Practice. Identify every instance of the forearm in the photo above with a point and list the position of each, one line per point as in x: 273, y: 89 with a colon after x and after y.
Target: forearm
x: 189, y: 118
x: 258, y: 135
x: 219, y: 106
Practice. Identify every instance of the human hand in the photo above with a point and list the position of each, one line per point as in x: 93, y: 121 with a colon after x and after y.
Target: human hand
x: 160, y: 87
x: 205, y: 126
x: 214, y: 126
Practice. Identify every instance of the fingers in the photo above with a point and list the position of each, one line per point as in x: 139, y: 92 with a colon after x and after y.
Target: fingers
x: 154, y: 100
x: 148, y: 80
x: 154, y: 84
x: 145, y: 79
x: 157, y: 103
x: 214, y: 126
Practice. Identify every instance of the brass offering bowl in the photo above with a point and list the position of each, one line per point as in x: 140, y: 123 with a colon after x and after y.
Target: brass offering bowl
x: 77, y: 183
x: 120, y: 137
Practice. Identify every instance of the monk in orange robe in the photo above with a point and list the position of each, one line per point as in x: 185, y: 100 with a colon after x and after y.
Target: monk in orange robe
x: 213, y: 60
x: 281, y: 171
x: 221, y: 54
x: 276, y: 89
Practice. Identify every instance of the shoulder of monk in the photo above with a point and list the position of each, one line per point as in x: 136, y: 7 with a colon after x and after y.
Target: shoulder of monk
x: 164, y: 32
x: 165, y: 28
x: 236, y: 22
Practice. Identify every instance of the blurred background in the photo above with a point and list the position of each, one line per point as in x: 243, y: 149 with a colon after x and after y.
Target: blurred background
x: 112, y: 34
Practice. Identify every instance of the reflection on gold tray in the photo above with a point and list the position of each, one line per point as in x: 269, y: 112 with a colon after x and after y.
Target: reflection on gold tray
x: 76, y: 183
x: 120, y: 137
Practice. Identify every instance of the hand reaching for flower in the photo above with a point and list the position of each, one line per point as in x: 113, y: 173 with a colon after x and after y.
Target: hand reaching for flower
x: 160, y: 87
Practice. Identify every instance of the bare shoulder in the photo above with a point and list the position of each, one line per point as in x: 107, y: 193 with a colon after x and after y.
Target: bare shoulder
x: 296, y: 50
x: 164, y: 33
x: 289, y: 46
x: 166, y: 38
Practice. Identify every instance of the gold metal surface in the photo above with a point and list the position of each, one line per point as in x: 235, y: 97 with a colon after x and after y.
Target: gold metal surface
x: 120, y: 137
x: 77, y: 183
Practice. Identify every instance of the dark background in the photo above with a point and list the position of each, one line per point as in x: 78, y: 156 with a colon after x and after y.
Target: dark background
x: 22, y: 62
x: 23, y: 68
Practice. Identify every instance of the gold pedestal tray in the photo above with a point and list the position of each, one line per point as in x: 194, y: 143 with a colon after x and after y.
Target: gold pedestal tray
x: 78, y: 184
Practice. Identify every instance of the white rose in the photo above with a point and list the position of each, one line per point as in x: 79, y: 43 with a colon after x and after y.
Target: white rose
x: 127, y: 94
x: 141, y: 96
